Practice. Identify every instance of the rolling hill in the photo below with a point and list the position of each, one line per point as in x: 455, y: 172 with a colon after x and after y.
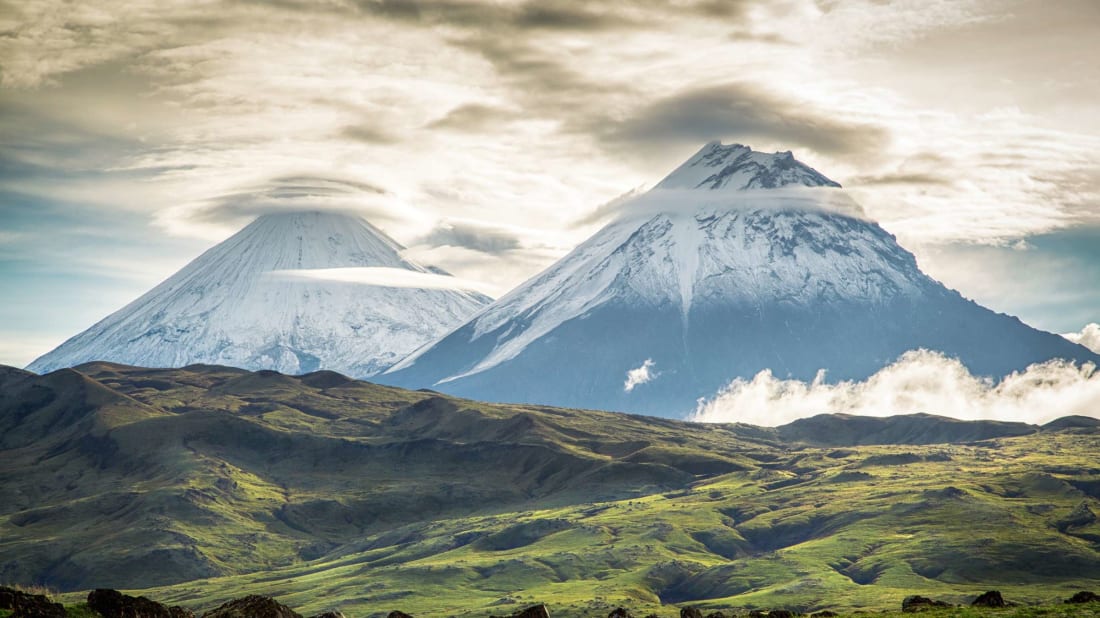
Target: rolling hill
x: 204, y: 483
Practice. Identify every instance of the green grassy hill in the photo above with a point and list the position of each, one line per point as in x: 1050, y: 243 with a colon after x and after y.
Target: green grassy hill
x: 202, y: 484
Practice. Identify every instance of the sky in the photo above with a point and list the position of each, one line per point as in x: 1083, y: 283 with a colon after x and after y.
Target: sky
x: 483, y: 135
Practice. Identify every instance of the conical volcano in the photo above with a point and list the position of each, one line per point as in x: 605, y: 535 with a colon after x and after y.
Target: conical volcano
x: 738, y: 261
x: 262, y: 299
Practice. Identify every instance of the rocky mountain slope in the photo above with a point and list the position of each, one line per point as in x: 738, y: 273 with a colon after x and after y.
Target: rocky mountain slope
x: 250, y: 302
x: 738, y: 261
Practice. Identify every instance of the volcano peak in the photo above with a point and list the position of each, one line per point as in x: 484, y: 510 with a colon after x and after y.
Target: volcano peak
x: 736, y: 167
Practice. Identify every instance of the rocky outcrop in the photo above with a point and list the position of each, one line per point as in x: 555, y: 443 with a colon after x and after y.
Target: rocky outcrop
x: 620, y: 612
x: 331, y: 613
x: 27, y: 605
x: 252, y: 606
x: 1084, y: 596
x: 917, y: 603
x: 992, y: 598
x: 690, y: 612
x: 398, y: 614
x: 114, y: 604
x: 535, y: 611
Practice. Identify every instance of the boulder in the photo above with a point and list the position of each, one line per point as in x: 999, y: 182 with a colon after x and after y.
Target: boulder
x: 916, y: 603
x: 780, y: 613
x: 535, y: 611
x: 1084, y: 596
x: 27, y: 605
x: 330, y: 614
x: 824, y: 614
x: 690, y: 612
x: 252, y: 606
x: 113, y: 604
x: 992, y: 598
x: 620, y: 612
x: 398, y: 614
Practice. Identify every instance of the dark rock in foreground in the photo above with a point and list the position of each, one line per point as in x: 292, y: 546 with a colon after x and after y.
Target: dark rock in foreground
x: 690, y: 612
x: 535, y: 611
x: 26, y: 605
x: 1084, y: 596
x: 992, y: 598
x: 252, y: 606
x: 398, y: 614
x: 114, y: 604
x: 824, y: 614
x: 916, y: 603
x: 620, y: 612
x: 330, y: 614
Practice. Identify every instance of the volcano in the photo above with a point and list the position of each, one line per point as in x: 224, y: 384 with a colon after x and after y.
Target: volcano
x: 272, y: 297
x: 737, y: 262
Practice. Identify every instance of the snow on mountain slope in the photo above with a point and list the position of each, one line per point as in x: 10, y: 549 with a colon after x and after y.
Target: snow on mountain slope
x: 250, y: 302
x: 736, y: 262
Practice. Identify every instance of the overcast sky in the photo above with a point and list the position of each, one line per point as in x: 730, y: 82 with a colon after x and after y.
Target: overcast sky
x: 482, y: 134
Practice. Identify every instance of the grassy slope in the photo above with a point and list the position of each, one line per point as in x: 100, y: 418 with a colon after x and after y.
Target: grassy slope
x: 210, y: 483
x: 944, y: 528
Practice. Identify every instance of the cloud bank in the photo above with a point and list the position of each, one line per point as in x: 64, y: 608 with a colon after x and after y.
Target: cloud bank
x: 386, y: 277
x: 1088, y: 337
x: 920, y: 381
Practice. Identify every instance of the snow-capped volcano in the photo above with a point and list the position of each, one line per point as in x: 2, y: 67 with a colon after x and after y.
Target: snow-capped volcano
x: 262, y: 299
x: 738, y: 261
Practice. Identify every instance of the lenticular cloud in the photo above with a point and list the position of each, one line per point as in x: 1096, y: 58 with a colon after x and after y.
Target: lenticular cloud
x: 919, y: 381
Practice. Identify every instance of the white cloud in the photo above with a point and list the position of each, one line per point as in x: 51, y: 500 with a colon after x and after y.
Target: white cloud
x: 663, y: 201
x: 1088, y: 337
x: 920, y: 381
x: 639, y: 375
x: 386, y: 277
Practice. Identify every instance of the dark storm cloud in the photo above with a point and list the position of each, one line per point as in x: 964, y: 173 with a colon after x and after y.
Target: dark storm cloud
x: 572, y: 15
x: 900, y: 178
x: 473, y: 117
x: 566, y: 16
x: 493, y: 241
x: 540, y: 76
x: 743, y: 112
x: 368, y: 133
